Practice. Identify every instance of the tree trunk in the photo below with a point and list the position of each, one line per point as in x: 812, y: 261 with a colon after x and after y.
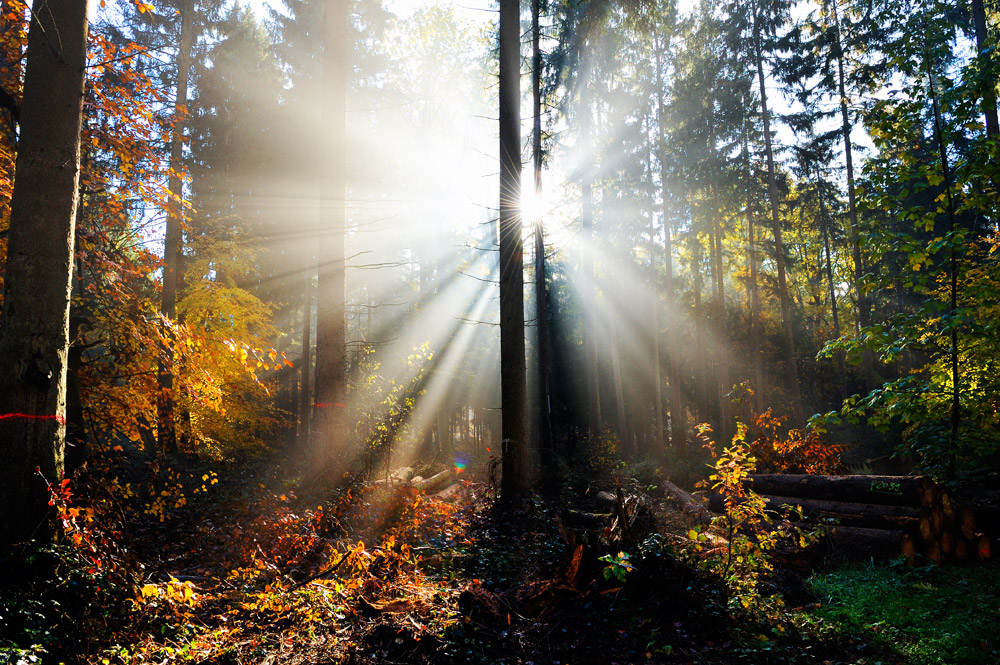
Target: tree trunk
x: 864, y: 313
x: 34, y: 339
x: 955, y: 418
x: 873, y: 516
x: 589, y: 278
x: 700, y: 360
x: 989, y: 86
x: 779, y: 247
x: 328, y: 440
x: 541, y: 304
x: 883, y: 490
x: 616, y: 370
x: 512, y: 371
x: 305, y: 369
x: 721, y: 343
x: 760, y: 390
x: 824, y: 222
x: 173, y: 242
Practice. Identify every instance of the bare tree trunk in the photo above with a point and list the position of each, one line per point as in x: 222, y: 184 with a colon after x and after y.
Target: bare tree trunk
x: 718, y: 278
x: 305, y: 368
x: 824, y: 222
x: 590, y: 315
x: 989, y: 89
x: 779, y: 246
x: 513, y: 387
x: 955, y: 419
x: 329, y: 438
x: 864, y: 312
x: 760, y: 390
x: 700, y: 360
x: 677, y: 419
x: 616, y: 369
x: 541, y: 304
x: 173, y: 242
x: 34, y: 339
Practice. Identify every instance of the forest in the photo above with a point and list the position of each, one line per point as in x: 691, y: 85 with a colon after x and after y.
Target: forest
x: 555, y: 331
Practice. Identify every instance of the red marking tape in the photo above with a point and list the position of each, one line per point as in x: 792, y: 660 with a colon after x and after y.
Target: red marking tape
x: 27, y: 416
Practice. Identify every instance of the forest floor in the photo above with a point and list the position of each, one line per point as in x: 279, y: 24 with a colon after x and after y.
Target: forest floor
x: 231, y: 567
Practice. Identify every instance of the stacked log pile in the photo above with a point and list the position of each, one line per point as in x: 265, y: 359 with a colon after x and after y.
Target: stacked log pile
x: 880, y: 516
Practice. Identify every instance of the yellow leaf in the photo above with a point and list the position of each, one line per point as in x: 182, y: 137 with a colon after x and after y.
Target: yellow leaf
x: 150, y: 591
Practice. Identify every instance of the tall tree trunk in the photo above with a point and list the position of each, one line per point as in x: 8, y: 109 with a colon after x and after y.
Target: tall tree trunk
x: 824, y: 222
x: 34, y: 338
x: 616, y: 369
x: 658, y: 450
x: 329, y: 438
x: 513, y: 386
x: 989, y: 86
x: 173, y: 242
x: 677, y: 420
x: 760, y: 390
x: 541, y: 304
x: 721, y: 333
x: 955, y: 419
x: 700, y: 361
x: 779, y: 246
x: 589, y: 277
x: 305, y: 369
x: 718, y: 279
x: 864, y: 311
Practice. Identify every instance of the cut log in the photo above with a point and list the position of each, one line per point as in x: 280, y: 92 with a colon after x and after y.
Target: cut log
x: 862, y: 543
x: 449, y: 493
x: 908, y: 548
x: 961, y: 549
x: 850, y: 514
x: 690, y: 506
x: 933, y: 552
x: 967, y: 522
x: 402, y: 474
x: 982, y: 547
x: 947, y: 543
x: 605, y: 500
x: 585, y: 520
x: 926, y: 526
x: 937, y: 521
x: 435, y: 482
x: 882, y: 490
x: 947, y: 507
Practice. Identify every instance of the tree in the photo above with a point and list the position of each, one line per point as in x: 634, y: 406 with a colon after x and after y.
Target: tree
x: 513, y: 389
x: 34, y: 339
x: 541, y: 296
x: 331, y: 340
x: 773, y: 13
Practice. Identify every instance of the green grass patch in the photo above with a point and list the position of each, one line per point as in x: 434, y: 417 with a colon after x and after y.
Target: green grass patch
x: 925, y: 615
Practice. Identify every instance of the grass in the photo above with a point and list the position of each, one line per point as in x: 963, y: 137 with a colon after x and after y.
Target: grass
x: 922, y: 615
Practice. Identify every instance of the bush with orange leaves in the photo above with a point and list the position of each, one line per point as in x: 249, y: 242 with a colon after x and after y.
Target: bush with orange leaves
x: 794, y: 451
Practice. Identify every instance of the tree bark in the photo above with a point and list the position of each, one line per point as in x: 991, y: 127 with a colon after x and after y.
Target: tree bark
x: 305, y: 405
x: 541, y: 304
x: 883, y: 490
x: 955, y: 417
x: 864, y: 312
x: 34, y: 338
x: 989, y: 93
x: 512, y: 370
x: 779, y: 247
x: 760, y: 390
x: 328, y: 440
x: 824, y: 221
x: 875, y: 516
x: 173, y: 241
